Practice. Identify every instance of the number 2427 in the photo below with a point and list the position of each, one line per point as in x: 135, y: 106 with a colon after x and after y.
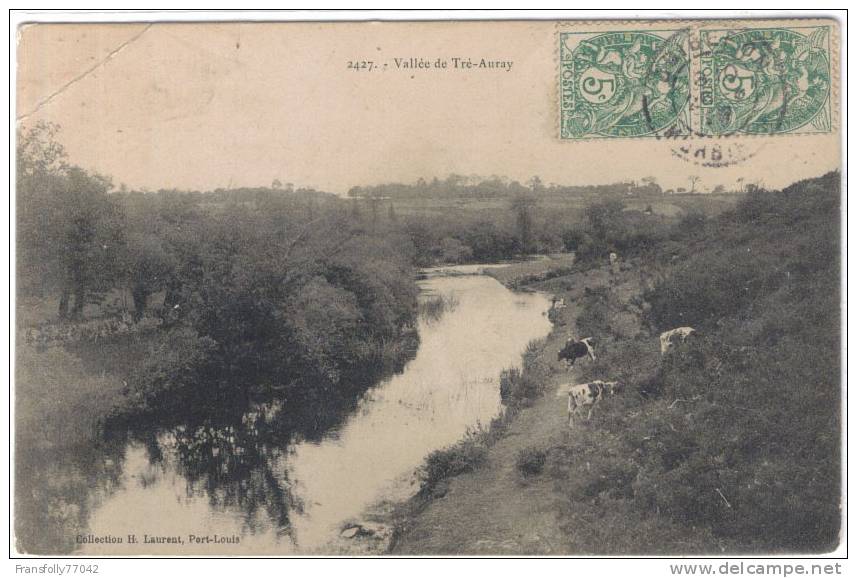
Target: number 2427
x: 360, y: 65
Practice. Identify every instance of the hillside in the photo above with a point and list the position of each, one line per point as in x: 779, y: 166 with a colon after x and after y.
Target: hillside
x: 729, y: 443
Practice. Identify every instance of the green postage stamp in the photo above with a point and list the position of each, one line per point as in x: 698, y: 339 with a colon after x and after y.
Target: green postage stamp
x: 623, y: 84
x: 695, y: 81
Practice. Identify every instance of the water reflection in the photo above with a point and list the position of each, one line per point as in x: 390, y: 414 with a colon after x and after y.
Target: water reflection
x: 57, y: 492
x: 284, y: 476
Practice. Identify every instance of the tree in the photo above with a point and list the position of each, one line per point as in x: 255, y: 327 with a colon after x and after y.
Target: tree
x: 373, y: 204
x: 523, y: 206
x: 693, y: 179
x: 356, y: 212
x: 38, y: 151
x: 454, y: 251
x: 650, y: 185
x: 150, y: 267
x: 489, y: 243
x: 605, y: 219
x: 69, y: 230
x: 93, y: 239
x: 755, y: 186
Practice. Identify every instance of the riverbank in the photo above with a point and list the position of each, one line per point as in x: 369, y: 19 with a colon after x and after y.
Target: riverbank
x: 514, y: 499
x: 493, y: 507
x: 714, y: 446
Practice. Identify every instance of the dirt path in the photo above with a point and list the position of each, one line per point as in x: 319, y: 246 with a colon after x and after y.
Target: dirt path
x: 495, y: 510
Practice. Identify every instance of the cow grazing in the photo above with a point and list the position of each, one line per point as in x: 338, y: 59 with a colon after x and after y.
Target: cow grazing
x: 673, y: 336
x: 574, y: 350
x: 586, y: 394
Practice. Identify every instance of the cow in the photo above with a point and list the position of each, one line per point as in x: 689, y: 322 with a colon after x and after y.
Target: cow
x: 586, y: 394
x: 574, y: 350
x: 679, y: 334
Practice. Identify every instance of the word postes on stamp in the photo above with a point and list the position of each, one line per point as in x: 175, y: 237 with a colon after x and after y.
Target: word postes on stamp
x: 623, y: 84
x: 765, y: 81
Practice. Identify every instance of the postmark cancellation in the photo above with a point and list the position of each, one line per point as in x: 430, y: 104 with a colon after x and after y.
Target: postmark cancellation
x: 702, y: 79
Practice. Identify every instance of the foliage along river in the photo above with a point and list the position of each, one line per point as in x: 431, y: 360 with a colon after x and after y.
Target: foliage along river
x: 294, y: 495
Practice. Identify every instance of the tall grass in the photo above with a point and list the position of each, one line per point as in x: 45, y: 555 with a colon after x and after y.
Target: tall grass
x: 730, y: 441
x: 58, y: 403
x: 436, y: 306
x: 459, y: 458
x: 521, y: 387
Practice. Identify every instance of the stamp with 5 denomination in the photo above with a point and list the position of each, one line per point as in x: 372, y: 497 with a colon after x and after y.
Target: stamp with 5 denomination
x: 701, y: 80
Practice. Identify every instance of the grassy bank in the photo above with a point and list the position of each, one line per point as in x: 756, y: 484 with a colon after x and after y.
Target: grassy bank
x: 729, y: 443
x: 490, y: 492
x: 58, y: 402
x: 524, y: 274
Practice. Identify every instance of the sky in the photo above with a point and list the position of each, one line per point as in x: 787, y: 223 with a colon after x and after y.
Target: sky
x: 202, y: 106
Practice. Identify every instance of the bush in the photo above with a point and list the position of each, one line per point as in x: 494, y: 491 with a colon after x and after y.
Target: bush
x: 594, y: 318
x: 709, y: 287
x: 531, y: 461
x: 580, y: 243
x: 454, y: 251
x: 521, y: 387
x: 173, y: 374
x: 649, y: 384
x: 455, y: 460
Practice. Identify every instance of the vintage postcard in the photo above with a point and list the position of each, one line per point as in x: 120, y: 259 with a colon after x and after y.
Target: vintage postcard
x: 428, y: 288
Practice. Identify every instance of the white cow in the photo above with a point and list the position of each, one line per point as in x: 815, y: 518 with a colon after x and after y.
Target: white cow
x: 586, y: 394
x: 614, y: 263
x: 669, y: 338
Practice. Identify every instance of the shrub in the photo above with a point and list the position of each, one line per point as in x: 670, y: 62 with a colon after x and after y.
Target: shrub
x: 522, y: 387
x: 649, y: 384
x: 595, y: 315
x: 709, y: 287
x: 578, y: 242
x: 455, y: 460
x: 531, y: 461
x: 174, y: 372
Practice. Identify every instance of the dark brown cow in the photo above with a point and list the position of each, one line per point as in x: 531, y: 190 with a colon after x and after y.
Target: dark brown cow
x: 574, y: 350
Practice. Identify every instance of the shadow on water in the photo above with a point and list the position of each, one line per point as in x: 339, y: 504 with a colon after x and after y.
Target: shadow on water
x: 281, y: 469
x: 232, y: 458
x: 56, y: 492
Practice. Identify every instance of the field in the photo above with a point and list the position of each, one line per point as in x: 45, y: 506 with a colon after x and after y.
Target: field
x: 564, y: 207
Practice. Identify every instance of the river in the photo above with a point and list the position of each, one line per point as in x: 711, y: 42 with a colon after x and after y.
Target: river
x: 250, y: 489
